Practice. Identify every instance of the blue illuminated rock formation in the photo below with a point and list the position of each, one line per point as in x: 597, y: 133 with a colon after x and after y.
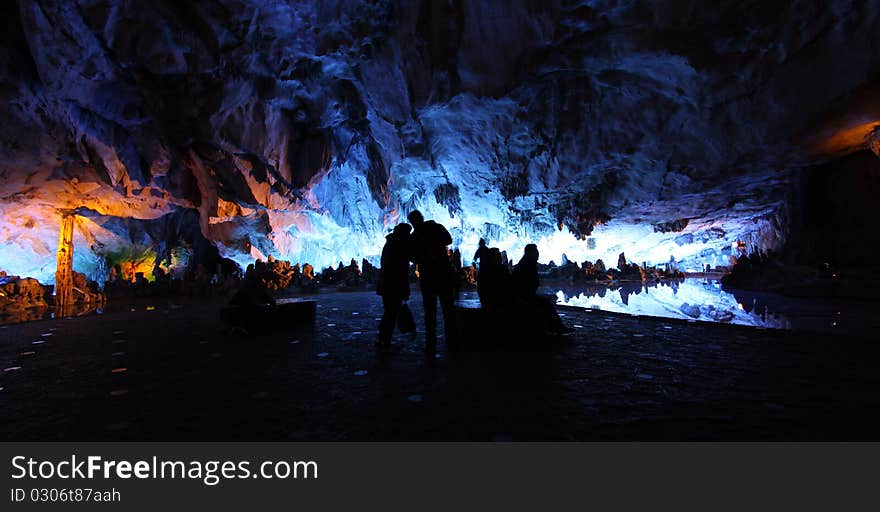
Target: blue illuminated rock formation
x: 305, y: 130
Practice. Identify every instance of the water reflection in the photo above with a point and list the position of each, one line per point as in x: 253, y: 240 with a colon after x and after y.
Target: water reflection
x: 688, y: 299
x: 48, y: 312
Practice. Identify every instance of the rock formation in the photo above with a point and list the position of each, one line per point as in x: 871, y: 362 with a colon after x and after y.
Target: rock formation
x: 64, y: 262
x: 873, y: 141
x: 19, y: 294
x: 304, y: 130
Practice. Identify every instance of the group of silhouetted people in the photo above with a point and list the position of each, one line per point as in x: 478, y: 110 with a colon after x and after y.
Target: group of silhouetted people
x: 516, y: 292
x: 501, y: 291
x: 423, y: 243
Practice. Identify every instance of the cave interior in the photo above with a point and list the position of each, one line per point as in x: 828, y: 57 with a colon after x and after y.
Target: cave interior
x: 737, y: 143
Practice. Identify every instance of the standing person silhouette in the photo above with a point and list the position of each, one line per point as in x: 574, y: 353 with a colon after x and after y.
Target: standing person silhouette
x: 393, y: 283
x: 482, y: 250
x: 429, y: 242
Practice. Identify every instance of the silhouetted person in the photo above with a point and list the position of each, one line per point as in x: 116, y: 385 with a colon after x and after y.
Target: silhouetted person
x: 393, y: 285
x: 140, y: 281
x: 252, y: 292
x: 120, y: 275
x: 435, y: 277
x: 482, y: 249
x: 493, y: 281
x: 455, y: 261
x: 525, y: 290
x: 525, y: 273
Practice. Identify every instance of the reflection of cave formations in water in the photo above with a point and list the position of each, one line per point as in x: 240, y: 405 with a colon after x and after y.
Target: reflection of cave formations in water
x: 49, y: 312
x: 705, y: 300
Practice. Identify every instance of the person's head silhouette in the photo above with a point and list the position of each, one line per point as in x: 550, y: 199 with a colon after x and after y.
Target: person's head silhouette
x: 415, y: 218
x: 402, y: 229
x: 530, y: 253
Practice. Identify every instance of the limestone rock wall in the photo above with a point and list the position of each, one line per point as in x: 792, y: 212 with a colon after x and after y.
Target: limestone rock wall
x: 306, y: 129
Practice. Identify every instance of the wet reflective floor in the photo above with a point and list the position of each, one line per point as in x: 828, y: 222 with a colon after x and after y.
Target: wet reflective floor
x: 174, y: 373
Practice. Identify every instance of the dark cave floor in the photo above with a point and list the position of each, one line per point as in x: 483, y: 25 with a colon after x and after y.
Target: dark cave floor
x: 171, y: 373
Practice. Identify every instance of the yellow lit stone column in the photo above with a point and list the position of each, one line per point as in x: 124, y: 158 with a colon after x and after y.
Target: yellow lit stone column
x: 64, y: 262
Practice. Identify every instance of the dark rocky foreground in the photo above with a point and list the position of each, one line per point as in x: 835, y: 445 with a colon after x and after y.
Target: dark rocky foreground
x: 616, y: 377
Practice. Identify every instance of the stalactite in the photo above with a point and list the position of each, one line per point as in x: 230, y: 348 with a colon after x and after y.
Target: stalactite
x: 64, y: 262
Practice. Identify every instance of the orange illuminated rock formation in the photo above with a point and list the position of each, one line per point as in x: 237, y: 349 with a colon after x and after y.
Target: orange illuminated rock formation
x: 64, y: 266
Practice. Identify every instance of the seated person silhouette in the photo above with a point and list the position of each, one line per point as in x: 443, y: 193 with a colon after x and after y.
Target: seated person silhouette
x: 493, y: 281
x: 541, y: 310
x: 252, y: 292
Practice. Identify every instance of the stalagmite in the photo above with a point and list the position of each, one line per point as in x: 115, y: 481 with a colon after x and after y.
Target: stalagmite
x: 64, y: 268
